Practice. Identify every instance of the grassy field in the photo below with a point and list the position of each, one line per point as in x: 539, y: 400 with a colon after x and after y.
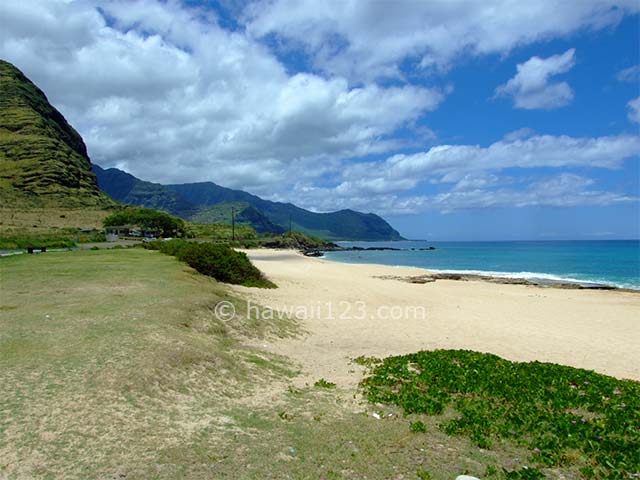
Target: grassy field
x: 113, y: 365
x: 50, y: 226
x: 47, y: 218
x: 107, y: 358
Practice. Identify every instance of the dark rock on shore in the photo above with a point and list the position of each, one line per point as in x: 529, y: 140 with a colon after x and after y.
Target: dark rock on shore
x: 466, y: 277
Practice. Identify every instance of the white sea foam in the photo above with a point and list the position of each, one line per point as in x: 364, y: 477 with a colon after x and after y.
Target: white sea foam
x: 538, y: 276
x: 579, y: 279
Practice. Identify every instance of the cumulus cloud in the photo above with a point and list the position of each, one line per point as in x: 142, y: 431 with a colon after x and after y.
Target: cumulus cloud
x: 561, y: 190
x: 164, y: 92
x: 450, y: 163
x: 634, y: 110
x: 364, y: 39
x: 473, y: 176
x: 531, y: 87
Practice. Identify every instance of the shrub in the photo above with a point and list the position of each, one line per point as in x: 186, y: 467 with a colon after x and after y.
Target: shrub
x: 171, y: 247
x: 322, y: 383
x: 297, y: 240
x: 418, y: 426
x: 214, y: 260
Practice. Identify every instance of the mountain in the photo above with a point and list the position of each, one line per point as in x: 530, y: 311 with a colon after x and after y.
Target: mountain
x: 208, y: 202
x: 340, y: 225
x: 244, y: 214
x: 126, y: 188
x: 43, y: 160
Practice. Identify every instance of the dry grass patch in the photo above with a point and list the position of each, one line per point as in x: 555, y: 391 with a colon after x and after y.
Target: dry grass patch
x: 105, y: 356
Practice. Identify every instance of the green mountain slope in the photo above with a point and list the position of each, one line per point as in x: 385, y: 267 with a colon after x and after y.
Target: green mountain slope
x: 340, y: 225
x: 210, y: 203
x: 43, y: 160
x: 245, y: 214
x: 131, y: 190
x: 126, y: 188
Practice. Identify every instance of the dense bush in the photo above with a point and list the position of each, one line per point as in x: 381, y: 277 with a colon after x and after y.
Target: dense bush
x: 147, y: 218
x: 215, y: 260
x: 562, y: 414
x: 171, y: 247
x: 297, y: 240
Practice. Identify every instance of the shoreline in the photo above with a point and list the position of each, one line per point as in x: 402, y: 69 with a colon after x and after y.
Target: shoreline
x: 539, y: 279
x: 584, y: 328
x: 506, y: 279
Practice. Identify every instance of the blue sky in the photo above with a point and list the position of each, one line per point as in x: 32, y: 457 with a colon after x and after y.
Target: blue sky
x: 458, y: 120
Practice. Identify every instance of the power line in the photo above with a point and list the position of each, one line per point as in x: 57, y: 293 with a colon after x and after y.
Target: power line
x: 233, y: 224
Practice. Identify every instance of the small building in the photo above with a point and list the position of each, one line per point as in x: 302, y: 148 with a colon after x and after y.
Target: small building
x: 115, y: 232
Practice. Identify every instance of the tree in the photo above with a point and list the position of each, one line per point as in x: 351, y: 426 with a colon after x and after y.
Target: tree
x: 148, y: 219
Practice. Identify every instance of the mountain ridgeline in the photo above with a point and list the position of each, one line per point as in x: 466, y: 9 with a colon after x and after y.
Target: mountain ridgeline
x: 43, y: 160
x: 207, y: 202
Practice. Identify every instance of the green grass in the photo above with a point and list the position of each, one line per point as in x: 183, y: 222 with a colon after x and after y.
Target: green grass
x: 562, y: 415
x: 107, y: 357
x: 220, y: 231
x: 21, y: 238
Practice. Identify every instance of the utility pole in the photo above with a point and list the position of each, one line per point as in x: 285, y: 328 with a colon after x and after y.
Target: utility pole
x: 233, y: 224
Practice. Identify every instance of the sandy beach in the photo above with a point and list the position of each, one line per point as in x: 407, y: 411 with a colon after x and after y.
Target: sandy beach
x: 347, y: 310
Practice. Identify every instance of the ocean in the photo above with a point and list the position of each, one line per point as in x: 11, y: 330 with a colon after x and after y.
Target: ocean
x: 615, y: 262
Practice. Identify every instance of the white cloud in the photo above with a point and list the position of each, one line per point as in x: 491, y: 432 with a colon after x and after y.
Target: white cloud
x: 474, y: 181
x: 519, y: 134
x: 634, y: 110
x: 450, y: 163
x: 531, y: 88
x: 473, y: 176
x: 631, y: 74
x: 562, y: 190
x: 162, y: 91
x: 365, y: 39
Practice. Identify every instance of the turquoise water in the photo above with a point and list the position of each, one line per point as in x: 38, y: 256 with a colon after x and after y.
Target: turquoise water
x: 614, y: 263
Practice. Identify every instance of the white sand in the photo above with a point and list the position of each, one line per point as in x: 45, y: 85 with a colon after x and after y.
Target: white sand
x: 598, y: 330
